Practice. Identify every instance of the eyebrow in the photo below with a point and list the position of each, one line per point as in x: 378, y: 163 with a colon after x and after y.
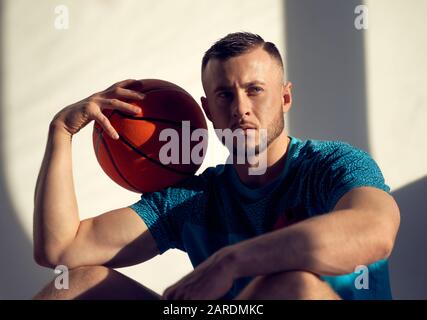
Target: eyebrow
x: 245, y: 85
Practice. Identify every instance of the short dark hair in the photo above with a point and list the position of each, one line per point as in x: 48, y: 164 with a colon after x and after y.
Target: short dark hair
x: 235, y: 44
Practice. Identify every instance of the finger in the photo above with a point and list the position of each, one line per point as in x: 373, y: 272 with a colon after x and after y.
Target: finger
x: 106, y: 125
x: 137, y: 85
x: 122, y: 83
x: 127, y: 94
x: 119, y: 105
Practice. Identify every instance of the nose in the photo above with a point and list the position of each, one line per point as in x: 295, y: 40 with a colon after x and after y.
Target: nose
x: 241, y: 106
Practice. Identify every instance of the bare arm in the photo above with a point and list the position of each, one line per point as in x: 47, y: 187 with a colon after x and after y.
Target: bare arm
x: 360, y: 230
x: 56, y: 217
x: 115, y: 238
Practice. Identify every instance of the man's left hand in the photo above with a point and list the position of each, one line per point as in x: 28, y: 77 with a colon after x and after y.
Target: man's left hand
x: 208, y: 281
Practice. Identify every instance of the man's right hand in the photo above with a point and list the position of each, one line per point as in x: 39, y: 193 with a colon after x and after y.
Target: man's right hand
x: 74, y: 117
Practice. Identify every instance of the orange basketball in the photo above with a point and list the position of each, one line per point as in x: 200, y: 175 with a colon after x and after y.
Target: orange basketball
x: 136, y: 160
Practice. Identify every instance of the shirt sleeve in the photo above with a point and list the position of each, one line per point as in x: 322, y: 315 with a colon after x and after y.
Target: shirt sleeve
x: 343, y: 168
x: 164, y: 212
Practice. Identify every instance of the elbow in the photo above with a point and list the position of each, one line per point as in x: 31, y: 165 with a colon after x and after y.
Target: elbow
x: 392, y: 228
x: 387, y: 247
x: 43, y: 259
x: 48, y: 258
x: 52, y: 260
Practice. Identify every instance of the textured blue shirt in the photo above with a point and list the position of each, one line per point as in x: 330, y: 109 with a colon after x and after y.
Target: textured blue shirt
x: 214, y: 209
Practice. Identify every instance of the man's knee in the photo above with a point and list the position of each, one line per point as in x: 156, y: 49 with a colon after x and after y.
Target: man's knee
x: 99, y: 283
x: 79, y: 280
x: 294, y: 285
x: 300, y: 281
x: 89, y: 274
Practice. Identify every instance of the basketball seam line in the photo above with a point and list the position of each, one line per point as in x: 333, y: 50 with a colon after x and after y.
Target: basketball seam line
x: 167, y: 89
x: 153, y: 119
x: 115, y: 165
x: 142, y: 153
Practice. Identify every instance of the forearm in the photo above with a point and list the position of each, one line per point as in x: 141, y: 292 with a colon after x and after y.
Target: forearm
x: 331, y: 244
x: 56, y: 218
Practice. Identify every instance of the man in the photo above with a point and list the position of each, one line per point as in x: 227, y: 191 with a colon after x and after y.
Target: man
x: 298, y: 231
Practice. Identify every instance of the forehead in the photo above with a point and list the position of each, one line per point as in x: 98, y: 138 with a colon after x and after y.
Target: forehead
x: 251, y: 66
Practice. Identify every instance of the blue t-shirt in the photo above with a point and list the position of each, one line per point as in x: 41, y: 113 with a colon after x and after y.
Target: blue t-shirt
x: 206, y: 212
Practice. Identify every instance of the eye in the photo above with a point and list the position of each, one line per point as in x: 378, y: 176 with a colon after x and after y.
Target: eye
x: 255, y: 90
x: 224, y: 94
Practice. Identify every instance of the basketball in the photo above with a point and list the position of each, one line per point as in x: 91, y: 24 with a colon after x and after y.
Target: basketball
x: 135, y: 161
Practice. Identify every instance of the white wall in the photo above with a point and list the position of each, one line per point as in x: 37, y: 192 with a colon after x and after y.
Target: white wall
x: 396, y: 51
x: 46, y: 69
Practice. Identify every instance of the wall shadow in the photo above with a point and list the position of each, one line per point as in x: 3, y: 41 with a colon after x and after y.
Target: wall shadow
x: 20, y: 277
x: 408, y: 263
x: 325, y: 63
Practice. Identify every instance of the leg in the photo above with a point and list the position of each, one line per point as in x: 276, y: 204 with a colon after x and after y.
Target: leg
x: 97, y: 282
x: 291, y: 285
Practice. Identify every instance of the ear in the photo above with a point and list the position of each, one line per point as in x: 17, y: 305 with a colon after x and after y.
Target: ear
x: 286, y: 96
x: 205, y: 107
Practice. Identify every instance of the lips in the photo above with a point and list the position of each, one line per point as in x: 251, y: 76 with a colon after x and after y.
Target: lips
x: 244, y: 126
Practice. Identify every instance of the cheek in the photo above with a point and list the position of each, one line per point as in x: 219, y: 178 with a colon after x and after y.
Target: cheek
x: 267, y: 109
x: 275, y: 105
x: 220, y: 118
x: 263, y: 107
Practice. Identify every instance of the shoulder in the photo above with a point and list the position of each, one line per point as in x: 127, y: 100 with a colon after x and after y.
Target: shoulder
x: 324, y: 148
x: 336, y: 167
x: 332, y: 154
x: 339, y: 163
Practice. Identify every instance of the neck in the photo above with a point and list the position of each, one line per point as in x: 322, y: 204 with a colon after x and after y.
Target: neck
x: 276, y: 154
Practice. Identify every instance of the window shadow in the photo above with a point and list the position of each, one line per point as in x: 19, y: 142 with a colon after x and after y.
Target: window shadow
x: 20, y: 277
x: 408, y: 263
x: 325, y: 63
